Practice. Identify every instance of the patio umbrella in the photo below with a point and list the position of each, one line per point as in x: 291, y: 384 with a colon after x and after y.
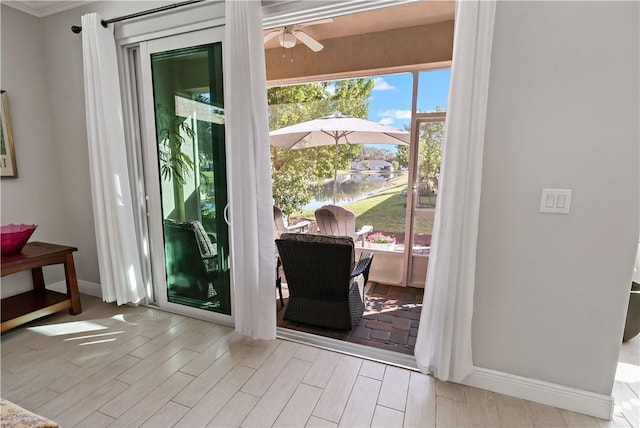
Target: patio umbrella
x: 334, y: 130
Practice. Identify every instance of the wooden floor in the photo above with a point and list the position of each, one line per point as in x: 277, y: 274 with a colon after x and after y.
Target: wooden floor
x: 626, y: 388
x: 128, y: 367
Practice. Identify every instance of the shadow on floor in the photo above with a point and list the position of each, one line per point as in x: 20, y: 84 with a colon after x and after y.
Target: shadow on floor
x: 390, y: 320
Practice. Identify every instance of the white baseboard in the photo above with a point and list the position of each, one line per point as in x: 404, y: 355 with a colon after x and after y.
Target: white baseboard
x: 564, y: 397
x: 85, y: 287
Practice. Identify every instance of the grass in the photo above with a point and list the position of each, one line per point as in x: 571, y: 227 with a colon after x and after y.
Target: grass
x: 385, y: 210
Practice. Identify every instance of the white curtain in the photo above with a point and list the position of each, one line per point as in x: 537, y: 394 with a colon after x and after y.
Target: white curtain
x: 249, y: 171
x: 443, y: 346
x: 118, y: 256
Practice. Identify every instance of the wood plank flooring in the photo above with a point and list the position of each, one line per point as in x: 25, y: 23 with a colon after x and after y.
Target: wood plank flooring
x: 134, y: 366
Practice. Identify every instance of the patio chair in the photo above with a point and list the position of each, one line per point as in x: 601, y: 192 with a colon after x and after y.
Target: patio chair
x: 335, y: 220
x: 281, y: 226
x: 326, y: 286
x: 191, y: 260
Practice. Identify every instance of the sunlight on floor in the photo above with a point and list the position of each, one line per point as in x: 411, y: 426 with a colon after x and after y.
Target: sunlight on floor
x: 628, y: 373
x: 626, y: 401
x: 67, y: 328
x: 626, y: 388
x: 623, y: 406
x: 80, y: 331
x: 120, y: 317
x: 91, y: 336
x: 95, y: 342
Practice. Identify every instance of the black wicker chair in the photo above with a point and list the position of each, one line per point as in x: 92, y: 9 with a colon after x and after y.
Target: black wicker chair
x: 191, y: 260
x: 326, y: 286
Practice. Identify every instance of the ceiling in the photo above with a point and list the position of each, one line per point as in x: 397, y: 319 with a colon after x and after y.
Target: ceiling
x: 407, y: 15
x: 41, y: 9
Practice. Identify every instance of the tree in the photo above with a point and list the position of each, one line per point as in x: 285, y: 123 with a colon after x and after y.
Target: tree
x: 402, y: 156
x: 375, y: 153
x: 294, y: 170
x: 431, y: 138
x: 430, y: 153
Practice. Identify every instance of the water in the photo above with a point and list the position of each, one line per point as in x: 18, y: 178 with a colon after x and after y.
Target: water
x: 351, y: 187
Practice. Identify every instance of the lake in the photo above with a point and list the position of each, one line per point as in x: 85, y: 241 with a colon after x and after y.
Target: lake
x: 351, y: 187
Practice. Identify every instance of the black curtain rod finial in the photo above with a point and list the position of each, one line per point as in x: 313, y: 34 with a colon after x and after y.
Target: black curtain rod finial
x: 78, y: 29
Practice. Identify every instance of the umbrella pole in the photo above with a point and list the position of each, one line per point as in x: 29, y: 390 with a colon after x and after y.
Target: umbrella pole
x: 335, y: 174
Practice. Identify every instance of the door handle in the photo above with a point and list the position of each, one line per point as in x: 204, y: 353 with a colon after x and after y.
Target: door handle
x: 225, y: 214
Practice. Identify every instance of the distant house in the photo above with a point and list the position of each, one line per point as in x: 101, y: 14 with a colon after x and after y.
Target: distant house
x: 372, y: 164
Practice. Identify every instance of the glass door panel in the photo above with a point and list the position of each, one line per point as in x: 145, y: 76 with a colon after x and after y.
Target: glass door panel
x: 186, y: 174
x: 430, y: 143
x: 188, y: 96
x: 429, y: 159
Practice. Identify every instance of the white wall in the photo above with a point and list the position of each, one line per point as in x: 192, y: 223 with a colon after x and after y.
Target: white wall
x: 36, y: 196
x: 563, y: 112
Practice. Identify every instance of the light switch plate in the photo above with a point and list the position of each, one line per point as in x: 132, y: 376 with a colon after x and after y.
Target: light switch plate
x: 555, y: 201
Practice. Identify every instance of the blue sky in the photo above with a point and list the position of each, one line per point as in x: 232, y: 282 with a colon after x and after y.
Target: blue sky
x: 390, y: 102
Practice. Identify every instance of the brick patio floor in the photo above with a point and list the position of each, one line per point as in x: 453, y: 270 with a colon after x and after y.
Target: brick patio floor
x: 390, y: 320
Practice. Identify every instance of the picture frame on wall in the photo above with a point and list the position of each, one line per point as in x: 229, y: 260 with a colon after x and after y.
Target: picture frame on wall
x: 8, y: 166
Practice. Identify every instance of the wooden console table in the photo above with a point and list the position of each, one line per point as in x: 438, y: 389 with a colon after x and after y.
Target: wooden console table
x: 25, y: 307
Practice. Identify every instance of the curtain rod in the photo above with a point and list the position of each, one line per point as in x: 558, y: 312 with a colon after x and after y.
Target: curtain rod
x: 77, y: 29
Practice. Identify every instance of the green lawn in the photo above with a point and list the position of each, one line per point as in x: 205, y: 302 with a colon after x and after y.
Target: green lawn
x: 385, y: 211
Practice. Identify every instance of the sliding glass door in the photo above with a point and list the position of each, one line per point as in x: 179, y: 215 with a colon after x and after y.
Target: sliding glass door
x: 185, y: 172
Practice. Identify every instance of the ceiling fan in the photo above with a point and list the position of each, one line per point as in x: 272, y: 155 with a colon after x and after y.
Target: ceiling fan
x: 289, y: 34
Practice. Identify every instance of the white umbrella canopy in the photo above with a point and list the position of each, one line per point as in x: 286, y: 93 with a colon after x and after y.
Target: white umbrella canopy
x: 336, y: 129
x: 326, y: 130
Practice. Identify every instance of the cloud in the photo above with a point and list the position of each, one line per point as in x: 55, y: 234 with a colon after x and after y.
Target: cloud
x: 396, y: 114
x: 379, y: 84
x: 386, y: 121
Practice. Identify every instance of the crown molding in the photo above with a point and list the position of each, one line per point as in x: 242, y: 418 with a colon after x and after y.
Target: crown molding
x: 289, y: 12
x: 40, y: 9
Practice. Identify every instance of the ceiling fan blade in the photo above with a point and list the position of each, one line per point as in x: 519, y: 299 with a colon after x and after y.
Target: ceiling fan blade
x: 271, y: 35
x: 311, y: 43
x: 317, y: 22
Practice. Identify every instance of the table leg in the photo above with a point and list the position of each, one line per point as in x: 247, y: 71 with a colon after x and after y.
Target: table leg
x: 38, y: 277
x: 72, y: 285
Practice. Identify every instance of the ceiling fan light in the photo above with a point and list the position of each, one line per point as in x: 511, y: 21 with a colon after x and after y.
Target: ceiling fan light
x: 287, y: 40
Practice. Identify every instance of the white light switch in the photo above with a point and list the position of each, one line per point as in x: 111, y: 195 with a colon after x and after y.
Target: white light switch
x: 550, y: 201
x: 561, y: 201
x: 555, y: 201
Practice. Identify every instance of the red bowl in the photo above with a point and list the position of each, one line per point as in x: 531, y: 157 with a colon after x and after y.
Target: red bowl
x: 14, y: 237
